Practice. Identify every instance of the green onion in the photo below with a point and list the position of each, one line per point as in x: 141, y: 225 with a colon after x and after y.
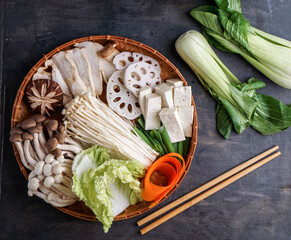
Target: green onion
x: 175, y: 145
x: 166, y: 139
x: 158, y: 137
x: 180, y: 148
x: 140, y: 133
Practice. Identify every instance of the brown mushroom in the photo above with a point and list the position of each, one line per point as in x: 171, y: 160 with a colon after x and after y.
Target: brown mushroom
x: 44, y: 96
x: 28, y: 123
x: 107, y: 50
x: 27, y: 137
x: 61, y: 128
x: 57, y: 152
x: 17, y: 140
x: 60, y: 137
x: 53, y: 143
x: 35, y: 131
x: 52, y: 126
x: 39, y: 118
x: 16, y: 130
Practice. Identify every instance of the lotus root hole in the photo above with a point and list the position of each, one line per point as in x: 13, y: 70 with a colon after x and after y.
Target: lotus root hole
x: 136, y: 86
x: 116, y: 88
x: 157, y: 83
x: 116, y: 99
x: 120, y: 80
x: 135, y: 76
x: 122, y: 63
x: 152, y: 75
x: 137, y: 104
x: 130, y: 59
x: 122, y: 105
x: 140, y: 59
x: 149, y: 61
x: 143, y: 71
x: 129, y: 108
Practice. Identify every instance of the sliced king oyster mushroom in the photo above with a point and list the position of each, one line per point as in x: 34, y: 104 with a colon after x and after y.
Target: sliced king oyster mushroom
x: 120, y: 99
x: 140, y: 74
x: 44, y: 72
x: 124, y: 59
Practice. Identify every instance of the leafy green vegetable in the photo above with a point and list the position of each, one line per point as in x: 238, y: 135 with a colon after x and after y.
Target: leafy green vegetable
x: 106, y: 185
x: 239, y: 106
x: 227, y: 29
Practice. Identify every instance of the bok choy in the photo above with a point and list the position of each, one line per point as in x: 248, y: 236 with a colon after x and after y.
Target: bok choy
x: 239, y: 105
x: 227, y: 29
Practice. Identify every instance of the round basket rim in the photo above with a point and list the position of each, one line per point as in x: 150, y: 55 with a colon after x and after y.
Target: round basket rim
x: 27, y: 78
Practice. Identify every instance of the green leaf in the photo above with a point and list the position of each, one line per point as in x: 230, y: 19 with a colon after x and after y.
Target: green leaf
x: 236, y: 25
x: 224, y: 122
x: 229, y: 5
x: 208, y: 17
x: 271, y: 115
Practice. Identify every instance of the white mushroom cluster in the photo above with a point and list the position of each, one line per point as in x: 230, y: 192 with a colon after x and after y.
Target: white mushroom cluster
x: 48, y: 153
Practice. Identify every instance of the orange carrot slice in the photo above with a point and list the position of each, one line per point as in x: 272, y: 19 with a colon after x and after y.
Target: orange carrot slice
x: 171, y: 168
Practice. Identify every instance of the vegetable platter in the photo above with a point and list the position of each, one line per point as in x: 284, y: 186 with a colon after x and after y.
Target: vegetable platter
x: 24, y: 104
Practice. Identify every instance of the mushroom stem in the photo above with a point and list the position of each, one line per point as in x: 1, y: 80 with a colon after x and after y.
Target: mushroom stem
x: 42, y: 141
x: 22, y: 157
x: 68, y: 154
x: 71, y: 141
x: 29, y: 158
x: 66, y: 191
x: 40, y: 152
x: 67, y: 182
x: 33, y: 153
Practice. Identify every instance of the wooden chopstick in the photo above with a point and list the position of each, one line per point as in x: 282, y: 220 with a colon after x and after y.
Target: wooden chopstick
x: 205, y: 186
x: 215, y: 188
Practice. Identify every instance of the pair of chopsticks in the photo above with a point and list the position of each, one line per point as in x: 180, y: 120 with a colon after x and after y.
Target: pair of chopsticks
x: 212, y: 187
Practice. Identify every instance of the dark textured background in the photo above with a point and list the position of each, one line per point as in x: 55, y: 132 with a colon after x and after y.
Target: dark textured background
x: 256, y: 207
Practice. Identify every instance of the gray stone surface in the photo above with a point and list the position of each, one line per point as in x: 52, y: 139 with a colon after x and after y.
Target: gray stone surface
x: 256, y: 207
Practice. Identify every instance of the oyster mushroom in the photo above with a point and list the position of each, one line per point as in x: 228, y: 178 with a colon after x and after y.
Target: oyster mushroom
x: 44, y: 96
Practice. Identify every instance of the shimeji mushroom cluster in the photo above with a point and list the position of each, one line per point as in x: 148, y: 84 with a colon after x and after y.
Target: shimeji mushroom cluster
x: 48, y: 153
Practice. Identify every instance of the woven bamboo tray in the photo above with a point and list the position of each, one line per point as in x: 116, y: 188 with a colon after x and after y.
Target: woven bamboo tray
x: 21, y: 112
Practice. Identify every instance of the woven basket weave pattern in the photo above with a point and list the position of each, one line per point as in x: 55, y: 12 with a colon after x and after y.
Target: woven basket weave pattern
x: 20, y: 112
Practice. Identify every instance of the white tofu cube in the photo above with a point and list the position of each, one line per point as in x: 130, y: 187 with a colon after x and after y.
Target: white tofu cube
x: 171, y: 120
x: 186, y: 115
x: 152, y: 121
x: 182, y: 96
x: 176, y: 82
x: 153, y: 105
x: 142, y: 93
x: 166, y: 93
x: 187, y: 129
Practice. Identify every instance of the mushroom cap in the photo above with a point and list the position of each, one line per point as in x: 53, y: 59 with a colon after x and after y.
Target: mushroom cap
x: 27, y: 136
x: 52, y: 125
x: 52, y: 144
x: 107, y: 50
x: 16, y: 130
x: 18, y: 124
x: 39, y: 118
x: 46, y: 122
x: 57, y: 152
x: 16, y: 137
x: 61, y: 128
x: 39, y: 126
x: 44, y: 96
x: 34, y: 130
x: 60, y: 137
x: 28, y: 123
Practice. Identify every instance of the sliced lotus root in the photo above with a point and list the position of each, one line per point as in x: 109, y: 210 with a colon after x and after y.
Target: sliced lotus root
x: 140, y: 74
x: 124, y: 59
x: 120, y: 99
